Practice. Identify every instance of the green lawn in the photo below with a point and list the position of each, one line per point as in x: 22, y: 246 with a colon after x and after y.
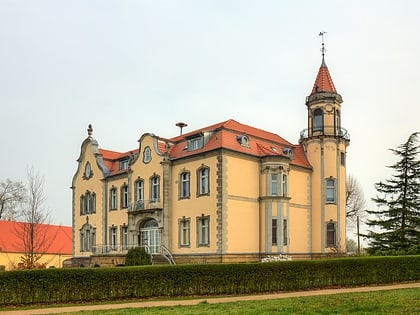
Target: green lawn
x: 402, y: 301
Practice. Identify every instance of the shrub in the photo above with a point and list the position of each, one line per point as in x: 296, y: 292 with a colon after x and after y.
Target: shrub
x: 73, y: 285
x: 137, y: 257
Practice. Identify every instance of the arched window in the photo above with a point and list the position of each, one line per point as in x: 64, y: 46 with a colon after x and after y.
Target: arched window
x: 317, y: 120
x: 87, y: 238
x: 88, y: 203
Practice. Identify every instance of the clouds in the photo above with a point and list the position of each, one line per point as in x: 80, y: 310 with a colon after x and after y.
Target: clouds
x: 130, y: 67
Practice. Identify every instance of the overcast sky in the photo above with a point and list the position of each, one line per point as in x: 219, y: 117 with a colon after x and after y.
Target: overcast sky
x: 130, y: 67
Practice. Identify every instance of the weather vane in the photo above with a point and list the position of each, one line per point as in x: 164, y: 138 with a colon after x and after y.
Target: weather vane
x: 323, y: 50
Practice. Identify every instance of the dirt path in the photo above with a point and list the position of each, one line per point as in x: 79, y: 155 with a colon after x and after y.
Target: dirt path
x: 208, y: 300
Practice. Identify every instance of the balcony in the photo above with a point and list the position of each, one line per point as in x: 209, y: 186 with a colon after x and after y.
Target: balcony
x: 145, y: 206
x: 328, y: 131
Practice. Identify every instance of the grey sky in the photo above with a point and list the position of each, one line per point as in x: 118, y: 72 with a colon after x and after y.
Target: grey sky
x: 130, y: 67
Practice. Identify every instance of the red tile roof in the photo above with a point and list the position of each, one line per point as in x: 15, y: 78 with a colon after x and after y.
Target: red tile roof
x: 222, y: 135
x: 54, y: 239
x: 323, y: 82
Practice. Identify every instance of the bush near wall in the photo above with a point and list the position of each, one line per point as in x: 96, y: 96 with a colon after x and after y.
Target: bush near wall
x: 96, y: 284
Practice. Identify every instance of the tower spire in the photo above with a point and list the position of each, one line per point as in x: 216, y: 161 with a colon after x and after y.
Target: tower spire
x: 323, y: 82
x: 323, y: 50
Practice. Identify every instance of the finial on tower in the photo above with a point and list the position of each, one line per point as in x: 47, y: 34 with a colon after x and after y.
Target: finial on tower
x: 323, y: 50
x: 90, y: 130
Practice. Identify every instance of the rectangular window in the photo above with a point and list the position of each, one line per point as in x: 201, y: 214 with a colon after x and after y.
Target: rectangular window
x: 155, y: 189
x: 124, y: 237
x: 113, y: 199
x: 274, y: 184
x: 274, y: 231
x: 203, y: 181
x: 184, y: 185
x: 195, y: 143
x: 284, y: 185
x: 113, y: 238
x: 139, y: 190
x: 82, y: 204
x: 203, y: 231
x: 330, y: 190
x: 124, y: 196
x: 184, y: 232
x: 123, y: 164
x: 285, y: 232
x: 331, y: 234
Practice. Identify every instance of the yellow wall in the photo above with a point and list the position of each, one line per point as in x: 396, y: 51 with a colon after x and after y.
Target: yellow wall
x: 11, y: 260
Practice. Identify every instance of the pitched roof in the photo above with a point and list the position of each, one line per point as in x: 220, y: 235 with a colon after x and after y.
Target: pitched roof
x: 226, y: 135
x: 323, y: 81
x: 51, y: 239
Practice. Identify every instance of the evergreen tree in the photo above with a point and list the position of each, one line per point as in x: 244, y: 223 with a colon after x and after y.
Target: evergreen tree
x: 398, y: 213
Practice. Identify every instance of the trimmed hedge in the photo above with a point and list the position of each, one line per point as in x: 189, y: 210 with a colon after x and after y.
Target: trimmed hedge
x: 96, y: 284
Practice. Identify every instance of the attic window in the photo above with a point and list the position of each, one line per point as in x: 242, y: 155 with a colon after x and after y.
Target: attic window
x: 274, y: 149
x: 243, y: 140
x: 195, y: 143
x: 123, y: 164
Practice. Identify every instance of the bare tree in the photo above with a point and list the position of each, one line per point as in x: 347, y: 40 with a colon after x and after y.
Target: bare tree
x: 355, y: 199
x: 34, y: 232
x: 12, y: 197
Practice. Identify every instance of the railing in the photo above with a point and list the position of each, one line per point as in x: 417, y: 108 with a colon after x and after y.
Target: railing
x: 168, y: 255
x: 325, y: 131
x: 141, y: 205
x: 109, y: 249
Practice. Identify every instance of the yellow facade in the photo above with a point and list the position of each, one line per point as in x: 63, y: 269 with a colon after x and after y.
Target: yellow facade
x: 227, y: 192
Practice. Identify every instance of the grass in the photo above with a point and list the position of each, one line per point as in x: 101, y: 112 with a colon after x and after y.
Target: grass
x: 401, y: 301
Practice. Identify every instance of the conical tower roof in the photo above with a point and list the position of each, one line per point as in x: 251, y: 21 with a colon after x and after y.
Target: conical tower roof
x: 323, y: 82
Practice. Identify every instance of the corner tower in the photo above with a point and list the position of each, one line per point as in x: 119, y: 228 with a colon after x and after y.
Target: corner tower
x: 325, y: 143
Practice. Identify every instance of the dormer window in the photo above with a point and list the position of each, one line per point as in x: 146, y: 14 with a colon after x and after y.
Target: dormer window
x: 124, y: 164
x: 195, y: 143
x: 243, y: 140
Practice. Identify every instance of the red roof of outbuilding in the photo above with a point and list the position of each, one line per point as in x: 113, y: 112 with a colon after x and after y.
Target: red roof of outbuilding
x: 51, y: 239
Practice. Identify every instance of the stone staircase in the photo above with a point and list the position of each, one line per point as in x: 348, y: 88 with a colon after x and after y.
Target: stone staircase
x: 160, y: 259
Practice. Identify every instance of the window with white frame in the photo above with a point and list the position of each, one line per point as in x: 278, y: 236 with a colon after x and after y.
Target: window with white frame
x: 155, y: 188
x: 124, y: 164
x: 195, y: 143
x: 139, y: 185
x: 124, y: 196
x: 330, y: 190
x: 113, y: 199
x: 274, y: 184
x: 203, y: 181
x: 113, y: 238
x: 203, y: 233
x: 184, y: 232
x: 284, y: 185
x: 124, y: 237
x: 147, y: 155
x: 184, y: 185
x: 331, y: 234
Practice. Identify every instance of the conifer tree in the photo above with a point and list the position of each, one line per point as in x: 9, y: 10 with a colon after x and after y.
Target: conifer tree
x: 398, y: 212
